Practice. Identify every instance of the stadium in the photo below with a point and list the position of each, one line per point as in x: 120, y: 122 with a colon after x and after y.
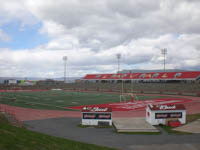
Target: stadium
x: 50, y: 105
x: 99, y: 75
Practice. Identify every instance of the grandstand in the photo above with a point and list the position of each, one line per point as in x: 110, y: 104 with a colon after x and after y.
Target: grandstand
x: 169, y: 82
x: 145, y: 76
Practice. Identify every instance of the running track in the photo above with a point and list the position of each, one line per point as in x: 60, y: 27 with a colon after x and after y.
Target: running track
x: 25, y: 114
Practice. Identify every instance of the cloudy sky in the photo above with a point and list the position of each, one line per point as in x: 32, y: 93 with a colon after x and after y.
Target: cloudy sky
x: 36, y: 34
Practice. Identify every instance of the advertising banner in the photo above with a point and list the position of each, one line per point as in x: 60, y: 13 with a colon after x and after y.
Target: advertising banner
x: 104, y: 116
x: 168, y: 115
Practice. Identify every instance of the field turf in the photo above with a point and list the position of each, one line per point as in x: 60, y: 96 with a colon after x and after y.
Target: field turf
x: 58, y: 100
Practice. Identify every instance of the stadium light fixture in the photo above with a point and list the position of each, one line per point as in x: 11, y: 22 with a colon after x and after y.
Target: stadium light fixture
x: 118, y: 59
x: 164, y: 53
x: 65, y: 63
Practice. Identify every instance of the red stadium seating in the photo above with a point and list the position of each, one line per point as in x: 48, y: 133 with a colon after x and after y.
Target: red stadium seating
x: 145, y: 76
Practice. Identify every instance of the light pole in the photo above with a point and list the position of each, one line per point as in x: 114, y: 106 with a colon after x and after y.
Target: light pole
x: 118, y: 59
x: 164, y: 53
x: 65, y: 62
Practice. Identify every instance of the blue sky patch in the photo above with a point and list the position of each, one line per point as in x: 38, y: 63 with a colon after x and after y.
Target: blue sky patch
x: 27, y: 38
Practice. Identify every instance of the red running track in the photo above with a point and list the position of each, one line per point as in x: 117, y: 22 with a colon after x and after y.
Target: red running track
x: 24, y: 114
x: 34, y: 90
x: 192, y: 105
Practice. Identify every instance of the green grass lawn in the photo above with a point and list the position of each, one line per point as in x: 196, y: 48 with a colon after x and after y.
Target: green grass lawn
x: 192, y: 117
x: 57, y: 100
x: 14, y: 138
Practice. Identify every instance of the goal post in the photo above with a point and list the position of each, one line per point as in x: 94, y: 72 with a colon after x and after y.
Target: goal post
x: 124, y: 97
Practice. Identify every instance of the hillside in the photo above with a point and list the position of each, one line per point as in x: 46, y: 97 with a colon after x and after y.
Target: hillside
x: 15, y: 138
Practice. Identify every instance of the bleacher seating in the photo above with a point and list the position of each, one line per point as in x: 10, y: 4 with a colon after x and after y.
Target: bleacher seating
x: 146, y: 76
x: 162, y: 82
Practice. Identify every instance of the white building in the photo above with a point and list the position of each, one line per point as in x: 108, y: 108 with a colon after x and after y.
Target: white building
x: 11, y: 81
x: 96, y: 116
x: 161, y: 114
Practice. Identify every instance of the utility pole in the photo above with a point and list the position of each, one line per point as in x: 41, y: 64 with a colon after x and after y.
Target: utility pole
x: 164, y: 53
x: 118, y: 60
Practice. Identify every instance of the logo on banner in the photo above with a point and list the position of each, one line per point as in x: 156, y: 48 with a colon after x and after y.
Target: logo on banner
x: 165, y: 107
x: 95, y: 109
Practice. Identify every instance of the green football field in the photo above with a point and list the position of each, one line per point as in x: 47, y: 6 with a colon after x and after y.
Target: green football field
x: 58, y: 100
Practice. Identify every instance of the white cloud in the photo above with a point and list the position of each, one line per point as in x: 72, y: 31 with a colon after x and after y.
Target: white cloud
x: 138, y: 54
x: 91, y: 33
x: 15, y: 10
x: 104, y: 24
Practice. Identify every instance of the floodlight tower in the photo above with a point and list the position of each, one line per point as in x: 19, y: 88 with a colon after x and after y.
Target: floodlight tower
x: 118, y: 59
x: 164, y: 53
x: 65, y: 63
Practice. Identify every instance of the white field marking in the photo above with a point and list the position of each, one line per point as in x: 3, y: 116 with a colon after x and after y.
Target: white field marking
x: 59, y: 101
